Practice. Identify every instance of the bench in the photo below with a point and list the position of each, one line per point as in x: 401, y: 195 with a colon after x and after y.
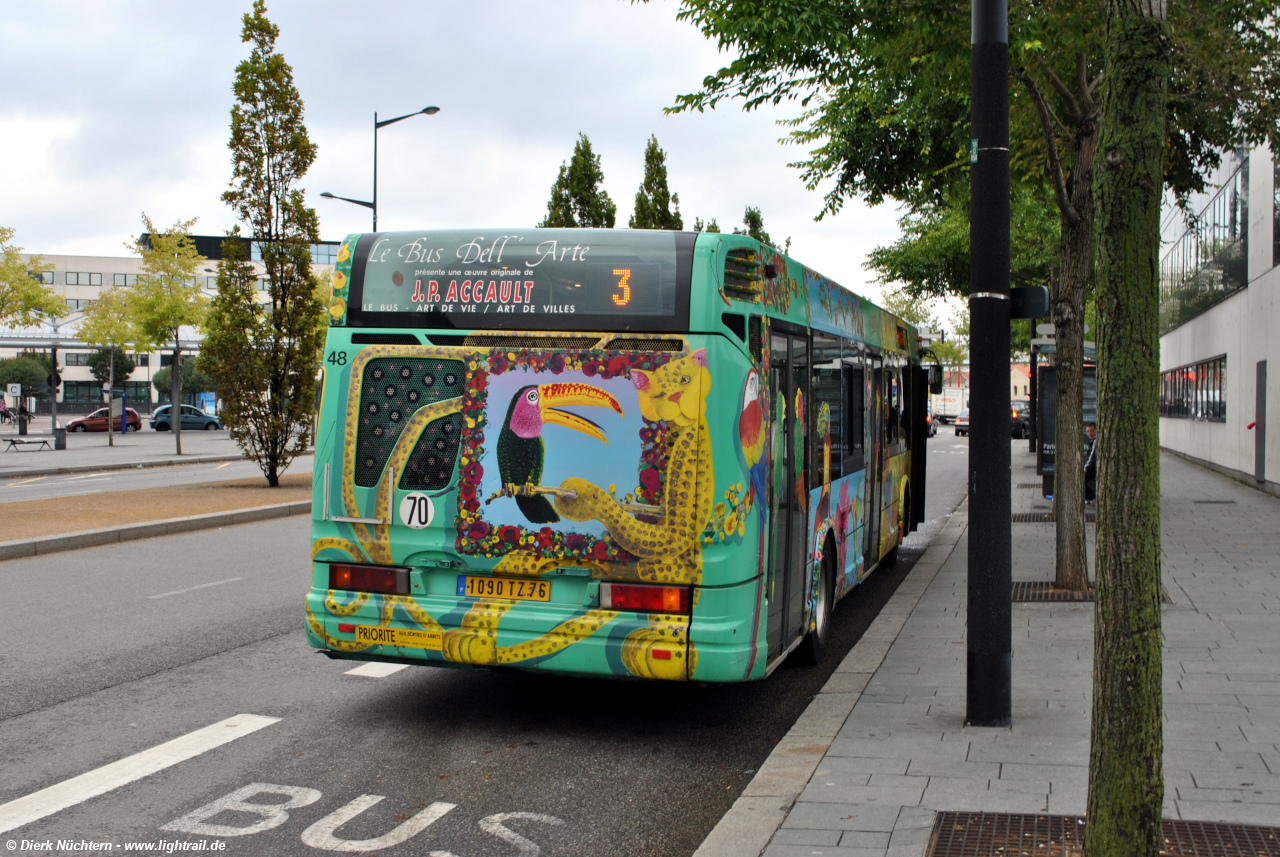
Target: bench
x: 19, y: 442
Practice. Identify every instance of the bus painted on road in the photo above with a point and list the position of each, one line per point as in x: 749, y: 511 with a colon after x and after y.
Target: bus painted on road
x: 626, y: 453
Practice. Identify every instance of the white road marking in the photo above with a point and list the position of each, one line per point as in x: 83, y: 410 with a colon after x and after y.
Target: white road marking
x: 194, y: 588
x: 87, y: 476
x: 72, y: 494
x: 25, y: 481
x: 373, y: 670
x: 79, y: 789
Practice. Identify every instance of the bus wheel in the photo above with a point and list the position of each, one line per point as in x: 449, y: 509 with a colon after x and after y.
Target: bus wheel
x: 814, y: 647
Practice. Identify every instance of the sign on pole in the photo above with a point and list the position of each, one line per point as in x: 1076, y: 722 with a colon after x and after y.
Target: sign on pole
x: 15, y: 389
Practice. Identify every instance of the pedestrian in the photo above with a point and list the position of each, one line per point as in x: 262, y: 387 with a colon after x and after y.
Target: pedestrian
x: 1090, y: 462
x: 4, y: 411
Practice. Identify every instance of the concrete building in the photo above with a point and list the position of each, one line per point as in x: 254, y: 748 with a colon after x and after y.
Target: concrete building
x: 79, y: 280
x: 1219, y: 308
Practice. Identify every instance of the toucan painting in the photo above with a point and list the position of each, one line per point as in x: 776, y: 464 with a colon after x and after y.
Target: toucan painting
x: 522, y: 448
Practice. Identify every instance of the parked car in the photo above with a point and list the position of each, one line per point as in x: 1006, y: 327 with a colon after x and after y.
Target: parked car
x: 192, y: 418
x: 962, y: 423
x: 97, y: 421
x: 930, y: 423
x: 1021, y: 418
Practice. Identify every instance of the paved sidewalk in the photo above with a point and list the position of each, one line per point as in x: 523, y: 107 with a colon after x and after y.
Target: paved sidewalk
x: 89, y: 451
x: 884, y: 746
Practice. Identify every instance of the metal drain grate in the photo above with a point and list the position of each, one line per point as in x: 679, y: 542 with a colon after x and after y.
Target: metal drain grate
x: 1030, y: 484
x: 1213, y: 502
x: 986, y: 834
x: 1040, y: 592
x: 1046, y: 517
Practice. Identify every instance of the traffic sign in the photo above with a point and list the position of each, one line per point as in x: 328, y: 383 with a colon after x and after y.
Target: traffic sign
x: 15, y: 389
x: 54, y: 380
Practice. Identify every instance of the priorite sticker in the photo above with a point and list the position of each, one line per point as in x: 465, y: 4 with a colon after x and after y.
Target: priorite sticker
x: 416, y: 510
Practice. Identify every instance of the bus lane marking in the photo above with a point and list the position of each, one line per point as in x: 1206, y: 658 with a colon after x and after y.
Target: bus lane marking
x: 24, y: 482
x: 194, y: 588
x: 376, y: 670
x: 79, y: 789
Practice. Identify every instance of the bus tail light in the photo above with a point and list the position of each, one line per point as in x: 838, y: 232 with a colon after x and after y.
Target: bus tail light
x: 369, y: 578
x: 346, y: 628
x: 644, y: 598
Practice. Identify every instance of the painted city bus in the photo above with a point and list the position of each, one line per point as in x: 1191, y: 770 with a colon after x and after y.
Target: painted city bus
x: 627, y: 453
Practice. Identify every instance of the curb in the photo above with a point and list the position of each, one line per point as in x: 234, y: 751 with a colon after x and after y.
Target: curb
x: 112, y: 535
x: 123, y: 465
x: 750, y: 824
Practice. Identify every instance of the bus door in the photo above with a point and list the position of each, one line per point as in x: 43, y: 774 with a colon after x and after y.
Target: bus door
x: 875, y: 456
x: 789, y: 390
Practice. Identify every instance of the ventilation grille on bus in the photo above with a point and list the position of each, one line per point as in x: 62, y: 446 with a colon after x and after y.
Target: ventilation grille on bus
x: 743, y: 277
x: 430, y: 465
x: 755, y: 338
x: 475, y: 340
x: 384, y: 339
x: 633, y: 344
x: 392, y: 390
x: 736, y: 323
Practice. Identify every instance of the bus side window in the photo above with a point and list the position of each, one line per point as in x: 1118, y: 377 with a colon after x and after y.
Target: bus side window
x: 854, y: 425
x: 892, y: 392
x: 824, y: 387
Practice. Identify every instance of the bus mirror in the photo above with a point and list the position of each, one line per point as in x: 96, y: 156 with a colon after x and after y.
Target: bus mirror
x: 935, y: 379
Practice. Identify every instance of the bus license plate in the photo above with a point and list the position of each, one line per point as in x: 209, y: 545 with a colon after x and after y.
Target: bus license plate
x: 502, y: 587
x: 405, y: 638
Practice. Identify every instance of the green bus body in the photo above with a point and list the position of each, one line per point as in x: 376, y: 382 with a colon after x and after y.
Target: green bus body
x: 608, y: 452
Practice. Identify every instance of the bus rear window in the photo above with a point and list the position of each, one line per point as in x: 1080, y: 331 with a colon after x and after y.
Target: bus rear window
x: 558, y: 279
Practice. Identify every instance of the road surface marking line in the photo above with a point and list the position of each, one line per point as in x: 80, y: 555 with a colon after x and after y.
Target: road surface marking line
x: 374, y: 670
x: 220, y: 466
x: 194, y: 588
x: 79, y: 789
x: 87, y: 476
x: 72, y: 494
x: 25, y: 481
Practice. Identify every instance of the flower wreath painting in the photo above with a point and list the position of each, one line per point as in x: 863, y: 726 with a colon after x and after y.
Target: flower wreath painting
x: 534, y: 418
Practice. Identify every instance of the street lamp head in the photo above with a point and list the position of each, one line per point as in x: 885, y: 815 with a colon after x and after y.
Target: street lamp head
x: 431, y: 111
x: 328, y: 195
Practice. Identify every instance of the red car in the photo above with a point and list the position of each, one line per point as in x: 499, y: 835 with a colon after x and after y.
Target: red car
x: 97, y: 421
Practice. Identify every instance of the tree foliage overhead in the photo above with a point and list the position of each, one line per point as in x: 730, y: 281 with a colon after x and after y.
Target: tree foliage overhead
x: 194, y: 381
x: 24, y: 298
x: 654, y: 200
x: 111, y: 365
x: 577, y: 200
x: 264, y: 356
x: 24, y: 370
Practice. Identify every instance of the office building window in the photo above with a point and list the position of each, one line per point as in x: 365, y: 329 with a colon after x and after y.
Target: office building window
x: 142, y: 360
x: 77, y: 358
x: 124, y: 279
x: 1195, y: 392
x: 45, y: 277
x: 80, y: 278
x: 262, y: 284
x: 78, y: 303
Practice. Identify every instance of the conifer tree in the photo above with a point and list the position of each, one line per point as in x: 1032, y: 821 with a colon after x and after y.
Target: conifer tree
x: 654, y: 199
x: 264, y: 357
x: 576, y: 197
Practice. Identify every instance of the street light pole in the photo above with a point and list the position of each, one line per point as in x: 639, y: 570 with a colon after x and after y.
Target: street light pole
x: 429, y: 111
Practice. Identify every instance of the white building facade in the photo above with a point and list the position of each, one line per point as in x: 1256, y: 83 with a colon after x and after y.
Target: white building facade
x: 1220, y: 306
x: 79, y: 280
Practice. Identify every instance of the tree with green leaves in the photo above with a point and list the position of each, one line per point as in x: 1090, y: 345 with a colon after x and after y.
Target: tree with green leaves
x: 577, y: 200
x: 167, y: 296
x: 654, y: 200
x: 753, y: 225
x: 24, y: 298
x: 109, y: 325
x: 194, y: 381
x: 884, y: 94
x: 916, y: 310
x: 24, y: 370
x: 264, y: 356
x: 1126, y: 780
x: 709, y: 226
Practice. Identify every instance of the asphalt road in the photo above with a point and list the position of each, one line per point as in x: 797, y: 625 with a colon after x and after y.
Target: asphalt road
x: 101, y: 481
x: 109, y: 652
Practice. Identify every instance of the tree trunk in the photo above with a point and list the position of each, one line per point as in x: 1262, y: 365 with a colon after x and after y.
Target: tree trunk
x: 175, y: 396
x: 111, y: 400
x: 1126, y: 784
x: 1075, y: 252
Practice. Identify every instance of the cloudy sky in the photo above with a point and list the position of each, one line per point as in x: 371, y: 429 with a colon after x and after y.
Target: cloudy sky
x: 115, y: 108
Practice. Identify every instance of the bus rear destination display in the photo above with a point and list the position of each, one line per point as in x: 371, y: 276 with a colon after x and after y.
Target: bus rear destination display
x: 510, y: 277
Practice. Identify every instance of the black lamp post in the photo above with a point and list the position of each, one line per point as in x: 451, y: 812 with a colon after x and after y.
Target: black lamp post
x: 430, y: 111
